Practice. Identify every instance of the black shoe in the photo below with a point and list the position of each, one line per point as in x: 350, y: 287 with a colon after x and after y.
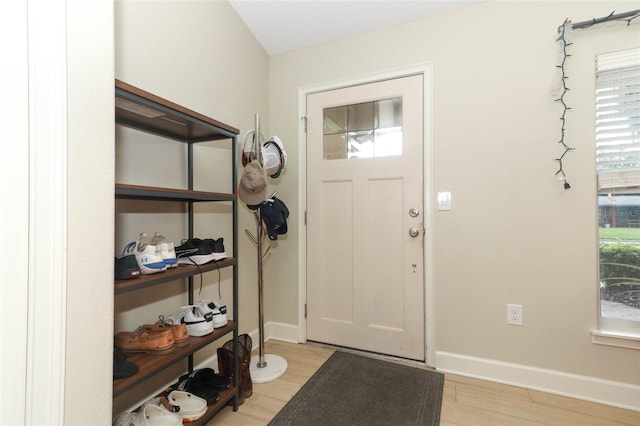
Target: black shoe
x: 123, y: 368
x: 206, y: 377
x: 126, y: 267
x: 198, y: 388
x: 217, y: 248
x: 194, y: 251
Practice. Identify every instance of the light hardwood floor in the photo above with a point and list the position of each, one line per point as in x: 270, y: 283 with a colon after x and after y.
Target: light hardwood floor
x: 466, y: 401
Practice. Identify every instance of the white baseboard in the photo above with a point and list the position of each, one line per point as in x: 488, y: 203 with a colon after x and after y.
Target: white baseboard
x: 281, y: 331
x: 617, y: 394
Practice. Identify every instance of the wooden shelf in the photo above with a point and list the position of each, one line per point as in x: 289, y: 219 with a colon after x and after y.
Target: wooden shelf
x: 149, y: 365
x: 225, y: 397
x: 147, y: 112
x: 182, y: 271
x: 139, y: 192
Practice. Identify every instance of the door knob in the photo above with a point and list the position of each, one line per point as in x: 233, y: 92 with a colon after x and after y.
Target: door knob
x: 414, y: 232
x: 414, y: 212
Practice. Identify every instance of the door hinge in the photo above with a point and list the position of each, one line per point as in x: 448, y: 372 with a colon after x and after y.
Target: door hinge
x: 305, y: 218
x: 304, y: 119
x: 305, y: 310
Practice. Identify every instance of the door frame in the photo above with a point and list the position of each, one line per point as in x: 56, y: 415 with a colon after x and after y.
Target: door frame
x: 34, y: 315
x: 426, y: 70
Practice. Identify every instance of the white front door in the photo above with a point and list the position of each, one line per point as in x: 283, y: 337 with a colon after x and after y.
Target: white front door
x: 365, y: 218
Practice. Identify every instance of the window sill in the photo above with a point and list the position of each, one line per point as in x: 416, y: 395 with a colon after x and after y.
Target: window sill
x: 622, y: 339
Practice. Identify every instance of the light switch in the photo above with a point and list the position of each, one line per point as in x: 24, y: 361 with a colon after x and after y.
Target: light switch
x: 444, y: 200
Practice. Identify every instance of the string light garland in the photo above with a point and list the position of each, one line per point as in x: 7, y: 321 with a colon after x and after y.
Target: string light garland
x: 565, y: 40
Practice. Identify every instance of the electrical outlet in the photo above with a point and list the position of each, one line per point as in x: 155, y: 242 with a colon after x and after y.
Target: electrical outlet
x: 514, y: 314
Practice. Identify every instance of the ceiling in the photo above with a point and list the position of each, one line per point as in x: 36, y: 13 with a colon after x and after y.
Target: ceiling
x: 284, y: 25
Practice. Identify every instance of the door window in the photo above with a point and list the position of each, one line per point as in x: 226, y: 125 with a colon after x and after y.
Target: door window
x: 364, y: 130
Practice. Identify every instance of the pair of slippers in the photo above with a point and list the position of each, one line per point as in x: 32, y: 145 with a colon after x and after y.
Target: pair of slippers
x: 172, y: 408
x: 188, y: 406
x: 204, y: 383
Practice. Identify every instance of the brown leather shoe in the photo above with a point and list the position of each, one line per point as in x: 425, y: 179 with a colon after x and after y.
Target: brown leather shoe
x: 179, y: 331
x: 145, y: 340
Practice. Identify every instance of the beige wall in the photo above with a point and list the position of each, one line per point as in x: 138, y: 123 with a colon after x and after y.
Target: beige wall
x: 89, y: 305
x: 514, y: 234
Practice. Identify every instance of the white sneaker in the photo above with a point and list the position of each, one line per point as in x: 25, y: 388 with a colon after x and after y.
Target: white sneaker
x: 199, y: 322
x: 149, y: 261
x: 165, y: 249
x: 219, y: 312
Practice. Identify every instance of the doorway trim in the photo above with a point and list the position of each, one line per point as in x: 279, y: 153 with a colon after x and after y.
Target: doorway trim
x: 426, y: 70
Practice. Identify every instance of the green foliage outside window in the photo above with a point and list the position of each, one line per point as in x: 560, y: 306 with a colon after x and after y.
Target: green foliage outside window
x: 620, y: 273
x: 619, y: 262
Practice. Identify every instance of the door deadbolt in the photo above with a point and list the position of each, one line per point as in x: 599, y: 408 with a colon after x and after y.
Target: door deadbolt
x: 414, y: 232
x: 414, y: 212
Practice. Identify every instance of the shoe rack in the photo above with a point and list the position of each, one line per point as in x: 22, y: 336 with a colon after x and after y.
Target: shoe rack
x: 143, y: 111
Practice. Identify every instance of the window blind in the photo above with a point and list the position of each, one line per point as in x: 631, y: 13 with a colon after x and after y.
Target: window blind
x: 618, y: 119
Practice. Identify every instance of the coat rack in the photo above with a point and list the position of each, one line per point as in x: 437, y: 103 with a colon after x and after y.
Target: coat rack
x: 268, y: 367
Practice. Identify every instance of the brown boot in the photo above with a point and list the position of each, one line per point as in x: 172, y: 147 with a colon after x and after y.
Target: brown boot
x: 246, y: 343
x: 225, y: 369
x: 244, y: 359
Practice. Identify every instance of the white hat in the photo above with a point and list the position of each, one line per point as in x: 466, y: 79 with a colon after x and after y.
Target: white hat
x: 278, y: 142
x: 273, y: 157
x: 270, y: 159
x: 252, y: 189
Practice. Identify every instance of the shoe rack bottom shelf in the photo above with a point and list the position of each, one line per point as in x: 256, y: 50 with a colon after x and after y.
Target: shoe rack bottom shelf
x: 148, y: 365
x: 226, y: 397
